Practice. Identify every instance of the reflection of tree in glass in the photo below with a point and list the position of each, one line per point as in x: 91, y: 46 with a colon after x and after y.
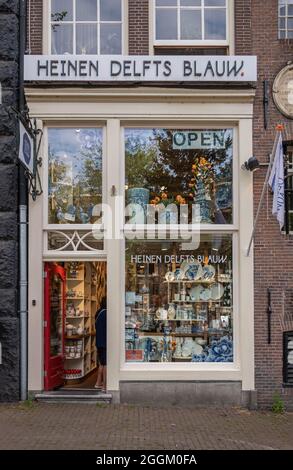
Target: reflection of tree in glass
x: 75, y: 179
x: 153, y: 163
x: 57, y: 17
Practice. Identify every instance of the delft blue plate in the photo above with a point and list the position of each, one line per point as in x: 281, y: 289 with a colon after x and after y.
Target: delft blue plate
x: 208, y: 272
x: 194, y: 271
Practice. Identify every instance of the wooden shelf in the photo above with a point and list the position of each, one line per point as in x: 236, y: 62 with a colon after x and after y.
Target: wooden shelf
x: 181, y: 335
x: 72, y: 317
x: 74, y: 337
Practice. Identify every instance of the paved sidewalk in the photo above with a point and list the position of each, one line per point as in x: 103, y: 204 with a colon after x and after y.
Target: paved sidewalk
x: 113, y: 427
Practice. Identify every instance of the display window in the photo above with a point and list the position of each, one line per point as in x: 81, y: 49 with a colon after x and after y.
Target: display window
x: 179, y: 303
x: 179, y: 297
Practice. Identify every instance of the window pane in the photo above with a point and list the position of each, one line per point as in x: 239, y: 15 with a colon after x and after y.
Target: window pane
x: 62, y: 39
x: 282, y: 23
x: 215, y: 24
x: 75, y: 175
x: 171, y: 169
x: 61, y: 10
x: 111, y: 39
x: 86, y: 10
x: 86, y: 39
x: 179, y: 303
x: 166, y: 24
x: 191, y: 24
x: 190, y: 3
x: 111, y: 10
x: 215, y: 3
x: 282, y: 34
x: 166, y: 3
x: 290, y: 10
x: 290, y: 23
x: 290, y: 35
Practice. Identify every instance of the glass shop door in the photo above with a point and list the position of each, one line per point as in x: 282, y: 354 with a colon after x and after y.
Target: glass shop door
x: 54, y: 323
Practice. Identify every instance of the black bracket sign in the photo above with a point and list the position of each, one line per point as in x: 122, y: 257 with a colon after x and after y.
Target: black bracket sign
x: 34, y: 181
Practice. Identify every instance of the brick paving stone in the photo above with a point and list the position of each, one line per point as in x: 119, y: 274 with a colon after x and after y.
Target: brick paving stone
x: 122, y: 427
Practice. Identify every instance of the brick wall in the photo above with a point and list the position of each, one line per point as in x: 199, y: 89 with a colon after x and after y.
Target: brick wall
x: 243, y: 31
x: 138, y: 27
x: 273, y: 251
x: 9, y: 325
x: 34, y: 39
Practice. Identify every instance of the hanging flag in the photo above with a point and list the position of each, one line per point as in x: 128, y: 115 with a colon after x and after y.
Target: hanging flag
x: 277, y: 184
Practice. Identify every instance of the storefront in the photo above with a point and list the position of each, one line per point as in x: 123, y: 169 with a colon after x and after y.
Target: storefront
x: 179, y: 289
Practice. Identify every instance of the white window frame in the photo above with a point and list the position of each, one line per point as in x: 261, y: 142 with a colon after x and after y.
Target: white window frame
x: 229, y: 229
x: 284, y: 3
x: 228, y: 42
x: 47, y: 46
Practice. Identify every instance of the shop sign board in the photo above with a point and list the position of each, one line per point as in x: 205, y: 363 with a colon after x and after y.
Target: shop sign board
x: 92, y: 68
x: 26, y: 148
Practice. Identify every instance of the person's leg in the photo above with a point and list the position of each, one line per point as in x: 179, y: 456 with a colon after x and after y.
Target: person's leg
x: 100, y: 377
x: 105, y: 378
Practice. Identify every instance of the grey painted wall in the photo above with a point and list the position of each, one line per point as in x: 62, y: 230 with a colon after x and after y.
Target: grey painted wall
x: 9, y: 325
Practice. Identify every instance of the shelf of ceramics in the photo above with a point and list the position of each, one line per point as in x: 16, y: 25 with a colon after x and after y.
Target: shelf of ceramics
x: 74, y: 358
x: 177, y: 335
x: 189, y: 302
x: 186, y: 281
x: 74, y: 337
x: 181, y: 319
x: 71, y: 317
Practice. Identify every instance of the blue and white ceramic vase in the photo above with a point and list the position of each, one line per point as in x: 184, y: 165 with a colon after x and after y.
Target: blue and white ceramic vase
x: 140, y: 196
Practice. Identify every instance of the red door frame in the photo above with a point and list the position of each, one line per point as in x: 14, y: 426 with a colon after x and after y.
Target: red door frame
x: 53, y: 366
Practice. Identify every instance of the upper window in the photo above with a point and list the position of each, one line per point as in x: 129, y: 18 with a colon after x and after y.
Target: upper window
x: 286, y: 19
x: 170, y: 168
x: 191, y: 21
x: 86, y: 26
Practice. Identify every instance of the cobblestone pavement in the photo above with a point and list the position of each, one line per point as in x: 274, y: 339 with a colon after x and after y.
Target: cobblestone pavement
x: 113, y: 427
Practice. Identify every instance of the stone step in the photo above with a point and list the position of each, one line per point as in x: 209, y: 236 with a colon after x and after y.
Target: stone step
x: 74, y: 396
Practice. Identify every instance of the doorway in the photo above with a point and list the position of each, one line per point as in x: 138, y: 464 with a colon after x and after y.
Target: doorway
x: 73, y: 293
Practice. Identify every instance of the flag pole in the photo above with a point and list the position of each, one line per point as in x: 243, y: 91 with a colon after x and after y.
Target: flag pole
x: 260, y: 204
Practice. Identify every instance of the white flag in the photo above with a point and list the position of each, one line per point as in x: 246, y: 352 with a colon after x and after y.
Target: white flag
x: 277, y: 184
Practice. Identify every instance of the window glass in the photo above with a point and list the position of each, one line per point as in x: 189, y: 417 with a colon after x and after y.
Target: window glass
x: 179, y: 303
x: 86, y: 10
x: 191, y: 24
x: 215, y: 24
x: 166, y: 24
x: 186, y: 167
x: 75, y: 175
x: 62, y: 38
x: 61, y: 10
x: 86, y: 39
x: 166, y: 3
x: 190, y: 3
x: 215, y: 3
x: 111, y: 38
x: 111, y: 10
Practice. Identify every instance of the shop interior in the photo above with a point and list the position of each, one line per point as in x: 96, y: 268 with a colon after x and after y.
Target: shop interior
x: 73, y: 296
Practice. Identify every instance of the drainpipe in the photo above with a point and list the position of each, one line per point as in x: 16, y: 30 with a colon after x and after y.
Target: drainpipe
x: 23, y: 222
